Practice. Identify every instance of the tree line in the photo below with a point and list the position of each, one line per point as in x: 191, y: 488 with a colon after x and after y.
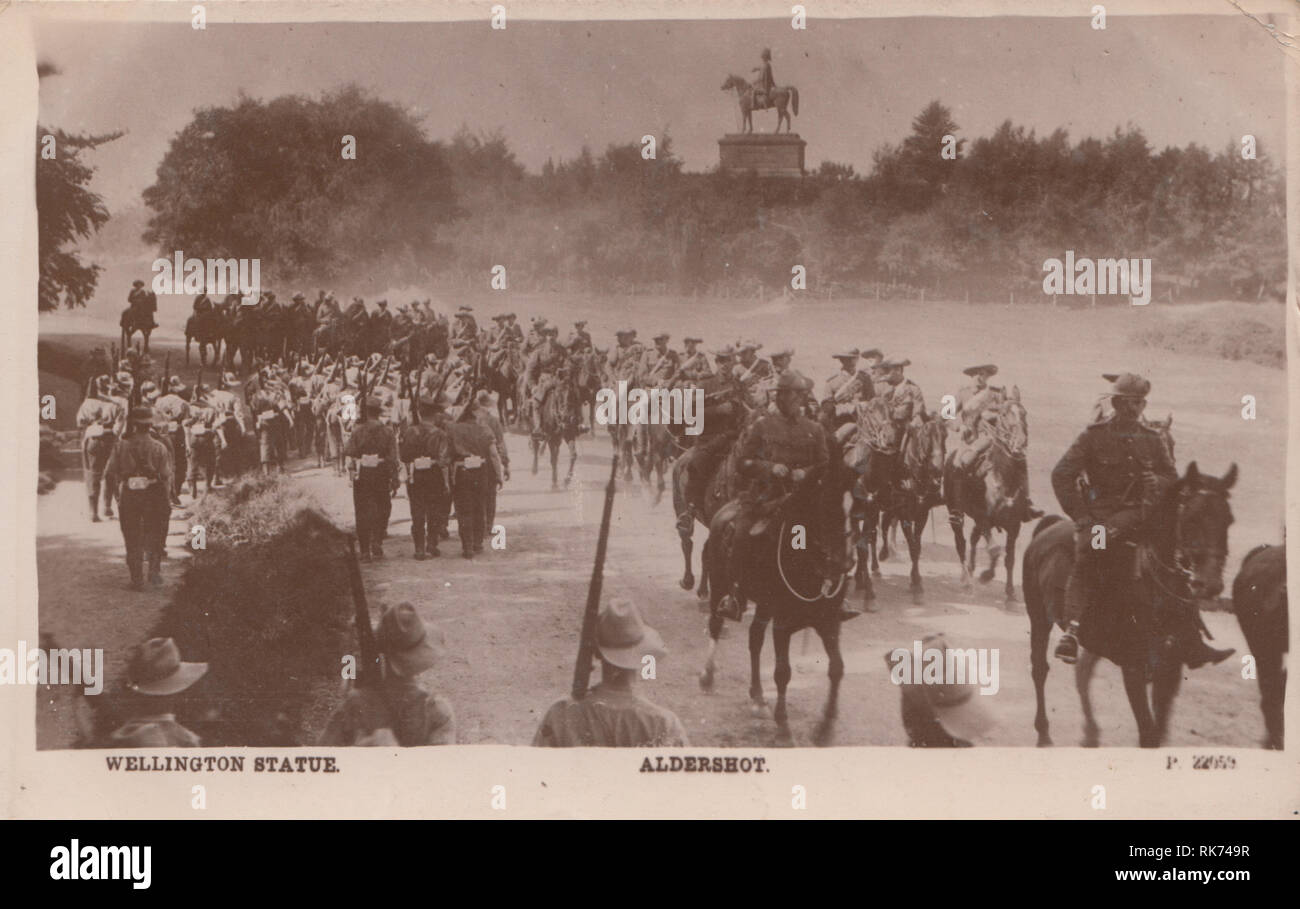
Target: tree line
x: 269, y: 180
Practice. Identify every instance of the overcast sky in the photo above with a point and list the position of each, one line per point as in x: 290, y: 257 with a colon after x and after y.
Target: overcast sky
x: 552, y: 87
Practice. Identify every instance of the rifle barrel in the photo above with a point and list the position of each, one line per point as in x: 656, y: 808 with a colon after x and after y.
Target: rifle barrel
x: 587, y: 642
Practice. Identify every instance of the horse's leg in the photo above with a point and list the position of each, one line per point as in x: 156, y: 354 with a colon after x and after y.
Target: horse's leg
x: 715, y: 630
x: 703, y: 592
x: 829, y: 632
x: 781, y: 644
x: 1272, y: 689
x: 553, y: 443
x: 685, y: 528
x: 870, y: 523
x: 536, y: 446
x: 1039, y: 631
x: 757, y: 631
x: 573, y: 459
x: 912, y: 533
x: 957, y: 523
x: 975, y: 533
x: 1135, y: 686
x: 1168, y: 676
x: 1009, y: 560
x: 1083, y: 671
x: 886, y: 522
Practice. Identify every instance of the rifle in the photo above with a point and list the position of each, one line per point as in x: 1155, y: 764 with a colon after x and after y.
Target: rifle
x: 368, y: 675
x: 587, y: 641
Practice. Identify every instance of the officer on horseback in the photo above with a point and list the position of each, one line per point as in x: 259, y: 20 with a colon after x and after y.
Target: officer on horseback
x: 776, y: 451
x: 972, y: 401
x: 695, y: 363
x: 142, y: 304
x: 1124, y: 467
x: 543, y: 367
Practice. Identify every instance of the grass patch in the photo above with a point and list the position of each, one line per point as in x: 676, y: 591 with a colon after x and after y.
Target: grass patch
x: 1255, y: 333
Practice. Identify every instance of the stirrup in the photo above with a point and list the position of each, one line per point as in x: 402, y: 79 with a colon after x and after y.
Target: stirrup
x: 1067, y: 649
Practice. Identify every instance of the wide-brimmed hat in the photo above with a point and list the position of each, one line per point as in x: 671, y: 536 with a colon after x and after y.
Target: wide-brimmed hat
x: 299, y: 296
x: 548, y: 329
x: 793, y: 381
x: 499, y: 317
x: 175, y: 384
x: 623, y: 639
x: 851, y: 354
x: 142, y: 416
x: 895, y: 363
x: 156, y: 668
x: 873, y: 353
x: 985, y: 369
x: 725, y: 351
x: 934, y: 714
x: 484, y: 397
x: 748, y: 345
x: 137, y: 283
x: 123, y: 378
x: 406, y: 644
x: 1127, y: 385
x: 692, y: 340
x: 663, y: 335
x: 782, y: 352
x: 625, y: 332
x: 580, y: 324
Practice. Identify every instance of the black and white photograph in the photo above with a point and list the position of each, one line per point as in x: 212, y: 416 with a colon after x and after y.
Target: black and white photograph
x: 714, y: 389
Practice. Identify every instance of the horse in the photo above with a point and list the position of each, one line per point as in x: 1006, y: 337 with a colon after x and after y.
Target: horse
x: 589, y: 378
x: 559, y: 420
x: 1181, y: 561
x: 873, y: 456
x: 702, y: 477
x: 779, y: 97
x: 916, y: 487
x: 208, y: 328
x: 134, y: 320
x: 503, y: 378
x: 1259, y: 600
x: 993, y: 491
x: 786, y: 584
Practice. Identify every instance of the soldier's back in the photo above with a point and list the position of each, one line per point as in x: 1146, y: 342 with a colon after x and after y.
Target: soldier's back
x: 609, y: 719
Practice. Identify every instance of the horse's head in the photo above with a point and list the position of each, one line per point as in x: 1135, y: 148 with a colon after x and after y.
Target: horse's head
x: 1164, y: 429
x: 734, y: 81
x: 925, y: 445
x: 1011, y: 423
x: 1201, y: 519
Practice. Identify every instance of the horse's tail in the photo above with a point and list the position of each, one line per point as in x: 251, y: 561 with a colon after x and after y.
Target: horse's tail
x: 794, y: 100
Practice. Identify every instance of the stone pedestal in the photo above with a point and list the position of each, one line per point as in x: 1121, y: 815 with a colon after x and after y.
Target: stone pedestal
x: 766, y: 154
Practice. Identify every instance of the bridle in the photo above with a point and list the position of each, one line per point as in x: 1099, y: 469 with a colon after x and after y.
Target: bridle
x: 1181, y: 570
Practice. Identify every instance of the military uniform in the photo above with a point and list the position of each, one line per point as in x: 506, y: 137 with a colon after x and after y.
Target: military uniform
x: 157, y: 731
x: 425, y: 449
x: 625, y: 361
x: 848, y: 387
x: 1125, y: 463
x: 659, y: 369
x: 202, y: 443
x: 752, y: 379
x: 485, y: 417
x: 416, y: 716
x: 372, y: 452
x: 610, y: 718
x: 170, y: 414
x: 694, y: 368
x: 268, y: 405
x: 142, y: 469
x: 477, y: 465
x: 97, y: 418
x: 543, y: 365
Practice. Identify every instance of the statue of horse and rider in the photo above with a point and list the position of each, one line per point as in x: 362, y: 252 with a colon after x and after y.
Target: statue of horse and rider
x: 763, y: 94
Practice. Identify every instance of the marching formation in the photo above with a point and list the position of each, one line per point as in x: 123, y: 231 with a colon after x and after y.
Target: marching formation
x: 418, y: 399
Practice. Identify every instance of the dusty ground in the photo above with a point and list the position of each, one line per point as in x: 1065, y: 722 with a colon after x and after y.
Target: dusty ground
x: 511, y: 617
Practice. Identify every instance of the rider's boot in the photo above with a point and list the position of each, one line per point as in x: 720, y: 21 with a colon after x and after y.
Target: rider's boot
x: 1067, y: 649
x: 732, y: 604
